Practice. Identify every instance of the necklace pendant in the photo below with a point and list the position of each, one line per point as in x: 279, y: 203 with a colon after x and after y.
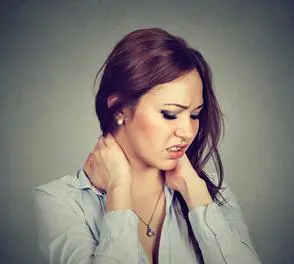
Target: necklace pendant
x: 150, y: 232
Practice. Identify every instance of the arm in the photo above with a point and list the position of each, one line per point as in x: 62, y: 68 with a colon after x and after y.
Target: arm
x: 65, y: 237
x: 221, y: 232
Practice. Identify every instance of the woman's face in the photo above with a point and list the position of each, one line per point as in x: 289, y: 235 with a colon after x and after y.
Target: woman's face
x: 158, y: 124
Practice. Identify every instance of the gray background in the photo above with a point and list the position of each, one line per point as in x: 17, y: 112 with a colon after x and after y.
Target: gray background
x: 50, y: 52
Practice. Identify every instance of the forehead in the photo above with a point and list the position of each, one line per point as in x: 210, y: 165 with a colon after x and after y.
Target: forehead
x: 186, y: 90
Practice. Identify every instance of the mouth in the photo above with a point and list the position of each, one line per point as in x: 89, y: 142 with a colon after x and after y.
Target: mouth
x: 176, y: 148
x: 176, y: 152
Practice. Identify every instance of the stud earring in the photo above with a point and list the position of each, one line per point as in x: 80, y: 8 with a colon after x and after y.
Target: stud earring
x: 119, y: 119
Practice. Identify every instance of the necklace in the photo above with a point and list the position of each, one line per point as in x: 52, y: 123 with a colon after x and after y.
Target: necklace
x: 149, y: 231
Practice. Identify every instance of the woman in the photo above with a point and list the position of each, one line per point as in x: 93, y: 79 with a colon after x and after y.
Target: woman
x: 143, y: 195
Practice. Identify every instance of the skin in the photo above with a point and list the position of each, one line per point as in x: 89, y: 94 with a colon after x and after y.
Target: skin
x: 147, y: 134
x: 140, y: 145
x: 133, y: 180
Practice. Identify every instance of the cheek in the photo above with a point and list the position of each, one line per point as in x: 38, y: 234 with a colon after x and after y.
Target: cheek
x: 149, y: 127
x: 153, y: 131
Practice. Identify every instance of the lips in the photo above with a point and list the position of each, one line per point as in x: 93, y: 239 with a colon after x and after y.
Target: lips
x: 176, y: 154
x: 179, y: 153
x: 182, y: 147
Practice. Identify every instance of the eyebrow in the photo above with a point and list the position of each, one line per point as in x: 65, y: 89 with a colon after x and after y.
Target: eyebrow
x: 186, y: 107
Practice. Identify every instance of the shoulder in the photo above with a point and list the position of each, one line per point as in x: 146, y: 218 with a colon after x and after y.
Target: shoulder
x: 66, y: 208
x: 63, y: 192
x: 59, y: 187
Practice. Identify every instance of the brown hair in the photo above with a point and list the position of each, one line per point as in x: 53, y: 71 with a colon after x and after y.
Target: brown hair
x: 143, y: 59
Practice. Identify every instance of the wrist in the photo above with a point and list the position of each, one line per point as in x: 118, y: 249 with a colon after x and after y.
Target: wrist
x: 195, y: 193
x: 123, y: 182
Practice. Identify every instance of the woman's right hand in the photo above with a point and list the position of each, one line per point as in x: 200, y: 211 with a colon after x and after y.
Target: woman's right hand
x: 107, y: 166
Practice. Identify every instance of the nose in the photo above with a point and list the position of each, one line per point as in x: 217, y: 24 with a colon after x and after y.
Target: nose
x: 187, y: 131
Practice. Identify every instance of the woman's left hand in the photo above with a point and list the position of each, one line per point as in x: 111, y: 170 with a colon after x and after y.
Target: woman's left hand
x: 184, y: 179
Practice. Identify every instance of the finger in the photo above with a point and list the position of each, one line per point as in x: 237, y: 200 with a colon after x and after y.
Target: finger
x: 111, y: 141
x: 101, y: 143
x: 92, y: 163
x: 96, y: 145
x: 109, y: 136
x: 89, y: 158
x: 95, y: 168
x: 87, y: 163
x: 106, y: 142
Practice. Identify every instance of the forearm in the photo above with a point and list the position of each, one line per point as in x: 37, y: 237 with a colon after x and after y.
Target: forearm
x: 72, y: 238
x: 220, y: 229
x: 220, y: 240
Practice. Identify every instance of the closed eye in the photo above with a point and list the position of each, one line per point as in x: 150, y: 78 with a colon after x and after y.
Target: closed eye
x: 172, y: 117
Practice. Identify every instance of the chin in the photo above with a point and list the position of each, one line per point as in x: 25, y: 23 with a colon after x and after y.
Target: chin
x: 168, y: 165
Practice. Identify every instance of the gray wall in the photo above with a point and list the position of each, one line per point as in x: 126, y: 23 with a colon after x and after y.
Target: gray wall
x: 50, y: 52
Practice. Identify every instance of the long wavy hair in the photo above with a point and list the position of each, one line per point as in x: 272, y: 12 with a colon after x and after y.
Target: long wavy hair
x: 148, y: 57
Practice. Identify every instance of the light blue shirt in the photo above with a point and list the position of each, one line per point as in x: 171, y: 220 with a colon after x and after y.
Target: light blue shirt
x: 73, y: 227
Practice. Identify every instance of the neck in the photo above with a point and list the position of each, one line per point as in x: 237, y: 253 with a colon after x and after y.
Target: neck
x: 146, y: 179
x: 147, y: 183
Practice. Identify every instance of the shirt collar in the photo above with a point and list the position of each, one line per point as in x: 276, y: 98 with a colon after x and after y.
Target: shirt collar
x: 82, y: 182
x: 169, y: 194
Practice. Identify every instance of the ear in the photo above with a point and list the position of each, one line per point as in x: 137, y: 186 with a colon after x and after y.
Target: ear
x: 111, y: 100
x: 125, y: 111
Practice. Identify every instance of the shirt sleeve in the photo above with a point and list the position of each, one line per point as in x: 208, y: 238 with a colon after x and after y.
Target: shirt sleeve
x: 221, y: 232
x: 65, y: 237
